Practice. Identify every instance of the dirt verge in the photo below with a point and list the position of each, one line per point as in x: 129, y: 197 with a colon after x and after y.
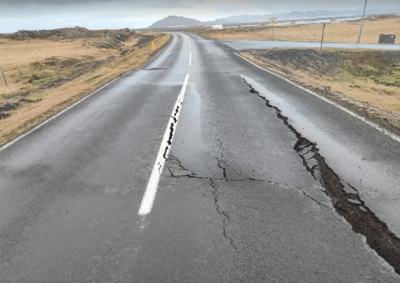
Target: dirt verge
x: 68, y: 80
x: 362, y: 81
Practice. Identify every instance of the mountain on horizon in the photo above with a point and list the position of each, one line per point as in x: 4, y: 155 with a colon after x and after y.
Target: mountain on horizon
x: 182, y: 21
x: 172, y: 21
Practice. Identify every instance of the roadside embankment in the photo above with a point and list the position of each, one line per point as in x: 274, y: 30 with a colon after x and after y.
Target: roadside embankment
x: 364, y: 81
x: 47, y: 75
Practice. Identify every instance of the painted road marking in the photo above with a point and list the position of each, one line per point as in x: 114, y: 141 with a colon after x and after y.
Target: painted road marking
x: 152, y: 185
x: 190, y: 59
x: 376, y: 126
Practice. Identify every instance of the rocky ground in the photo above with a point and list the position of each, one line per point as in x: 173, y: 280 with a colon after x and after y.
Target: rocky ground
x: 64, y: 33
x: 108, y: 39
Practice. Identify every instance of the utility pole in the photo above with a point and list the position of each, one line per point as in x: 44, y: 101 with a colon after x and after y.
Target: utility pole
x: 323, y: 31
x: 362, y: 21
x: 272, y: 24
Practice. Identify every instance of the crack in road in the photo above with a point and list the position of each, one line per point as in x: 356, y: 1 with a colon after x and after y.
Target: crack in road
x: 191, y: 174
x: 223, y: 168
x: 181, y: 166
x: 349, y: 205
x: 226, y: 219
x: 310, y: 197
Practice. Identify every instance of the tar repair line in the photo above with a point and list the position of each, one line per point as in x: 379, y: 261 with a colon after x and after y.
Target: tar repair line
x: 382, y: 130
x: 151, y: 190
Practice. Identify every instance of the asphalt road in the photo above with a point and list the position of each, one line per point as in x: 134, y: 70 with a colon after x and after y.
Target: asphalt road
x: 234, y: 202
x: 262, y: 44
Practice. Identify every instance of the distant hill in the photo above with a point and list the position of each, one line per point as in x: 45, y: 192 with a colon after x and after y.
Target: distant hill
x: 172, y: 21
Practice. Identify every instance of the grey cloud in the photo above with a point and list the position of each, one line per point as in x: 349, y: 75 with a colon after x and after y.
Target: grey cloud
x: 139, y: 4
x: 273, y: 5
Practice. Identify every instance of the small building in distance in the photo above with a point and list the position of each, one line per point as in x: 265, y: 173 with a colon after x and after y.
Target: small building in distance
x: 388, y: 38
x: 217, y: 26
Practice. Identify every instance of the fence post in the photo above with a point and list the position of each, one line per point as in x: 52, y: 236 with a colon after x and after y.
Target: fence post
x: 2, y: 75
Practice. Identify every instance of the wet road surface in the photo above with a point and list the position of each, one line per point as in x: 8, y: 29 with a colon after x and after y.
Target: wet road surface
x: 235, y: 202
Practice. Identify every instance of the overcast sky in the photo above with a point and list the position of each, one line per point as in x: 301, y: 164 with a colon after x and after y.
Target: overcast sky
x: 101, y: 14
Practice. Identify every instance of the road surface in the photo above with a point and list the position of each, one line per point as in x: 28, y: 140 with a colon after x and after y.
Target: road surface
x: 82, y: 198
x: 240, y: 45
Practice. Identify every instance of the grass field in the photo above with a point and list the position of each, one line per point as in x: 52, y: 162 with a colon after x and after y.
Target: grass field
x: 368, y: 80
x: 334, y: 32
x: 20, y: 59
x: 26, y: 58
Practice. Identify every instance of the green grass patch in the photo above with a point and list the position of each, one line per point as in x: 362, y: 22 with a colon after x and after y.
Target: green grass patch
x: 369, y: 64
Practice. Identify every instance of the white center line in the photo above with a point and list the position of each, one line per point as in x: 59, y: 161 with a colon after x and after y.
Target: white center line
x: 190, y: 59
x: 152, y: 185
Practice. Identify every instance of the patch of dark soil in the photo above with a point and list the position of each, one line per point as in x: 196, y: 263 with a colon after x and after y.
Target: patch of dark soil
x: 25, y: 93
x: 33, y: 78
x: 124, y: 52
x: 55, y: 62
x: 113, y: 40
x: 7, y: 107
x: 331, y: 62
x: 4, y: 115
x: 27, y: 100
x: 304, y: 59
x: 144, y: 40
x: 67, y: 33
x: 108, y: 44
x: 78, y: 70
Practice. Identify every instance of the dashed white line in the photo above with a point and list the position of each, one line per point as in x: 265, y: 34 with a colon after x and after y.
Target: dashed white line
x: 152, y: 185
x: 376, y: 126
x: 190, y: 59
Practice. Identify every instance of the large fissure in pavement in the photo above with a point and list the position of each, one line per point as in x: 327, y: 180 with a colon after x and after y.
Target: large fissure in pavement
x: 345, y: 198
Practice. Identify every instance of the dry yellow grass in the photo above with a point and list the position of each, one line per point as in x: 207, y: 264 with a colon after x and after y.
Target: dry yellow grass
x: 381, y: 97
x: 54, y: 100
x: 334, y: 32
x: 384, y: 97
x: 18, y: 55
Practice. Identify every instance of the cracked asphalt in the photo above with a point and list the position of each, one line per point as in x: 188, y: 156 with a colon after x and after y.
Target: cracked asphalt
x: 254, y: 189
